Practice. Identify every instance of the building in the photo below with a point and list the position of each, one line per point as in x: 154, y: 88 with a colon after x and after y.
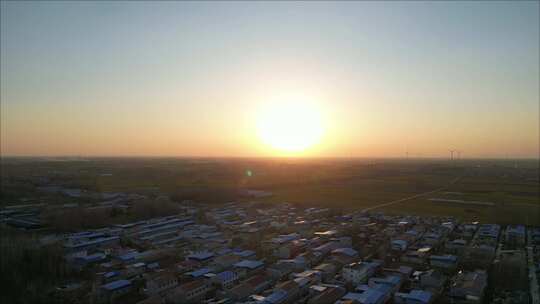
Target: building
x: 468, y: 287
x: 201, y: 256
x: 393, y: 282
x: 415, y: 296
x: 253, y: 285
x: 359, y: 273
x: 160, y: 282
x: 247, y: 267
x: 226, y: 261
x: 110, y: 291
x: 416, y: 256
x: 226, y: 279
x: 327, y: 270
x: 399, y: 245
x: 443, y: 261
x: 368, y: 296
x: 192, y: 292
x: 431, y: 280
x: 515, y: 236
x: 326, y: 294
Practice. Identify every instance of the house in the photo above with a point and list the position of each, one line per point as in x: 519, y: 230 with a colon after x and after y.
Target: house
x: 404, y: 271
x: 416, y: 256
x: 247, y: 267
x: 192, y: 292
x: 415, y: 296
x: 81, y: 261
x: 326, y: 294
x: 468, y: 287
x: 443, y: 261
x: 399, y: 245
x: 432, y: 238
x: 515, y: 235
x: 327, y: 270
x: 201, y: 256
x: 369, y: 296
x: 286, y: 293
x: 226, y: 279
x: 280, y: 270
x: 253, y: 285
x: 135, y: 269
x: 432, y: 280
x: 393, y: 281
x: 310, y: 258
x: 186, y: 266
x: 110, y: 291
x: 226, y: 261
x: 344, y: 256
x: 327, y: 234
x: 157, y: 283
x: 358, y: 273
x: 456, y: 246
x: 199, y: 273
x: 312, y: 276
x: 78, y: 245
x: 326, y: 248
x: 289, y: 249
x: 383, y: 290
x: 345, y: 251
x: 246, y: 254
x: 110, y: 276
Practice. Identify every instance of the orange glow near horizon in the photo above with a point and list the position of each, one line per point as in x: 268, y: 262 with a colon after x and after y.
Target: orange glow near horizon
x: 290, y: 126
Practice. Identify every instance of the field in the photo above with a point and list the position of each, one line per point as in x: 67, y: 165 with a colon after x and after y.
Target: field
x: 512, y: 186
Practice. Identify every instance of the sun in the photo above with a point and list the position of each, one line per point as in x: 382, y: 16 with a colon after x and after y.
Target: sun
x: 290, y: 126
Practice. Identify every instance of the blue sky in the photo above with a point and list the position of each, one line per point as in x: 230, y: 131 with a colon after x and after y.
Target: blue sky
x: 93, y: 78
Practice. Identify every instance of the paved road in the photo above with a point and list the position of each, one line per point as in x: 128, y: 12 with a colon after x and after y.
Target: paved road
x: 410, y: 197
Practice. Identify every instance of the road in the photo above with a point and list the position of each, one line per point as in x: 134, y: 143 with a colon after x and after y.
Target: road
x: 410, y: 197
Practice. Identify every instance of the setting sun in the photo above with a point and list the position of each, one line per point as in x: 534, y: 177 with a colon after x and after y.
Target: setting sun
x: 290, y: 126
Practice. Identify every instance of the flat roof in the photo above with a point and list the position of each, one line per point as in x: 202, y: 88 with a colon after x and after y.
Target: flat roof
x: 117, y: 284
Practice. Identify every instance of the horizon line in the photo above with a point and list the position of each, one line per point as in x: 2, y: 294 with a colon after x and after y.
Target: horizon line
x: 267, y: 157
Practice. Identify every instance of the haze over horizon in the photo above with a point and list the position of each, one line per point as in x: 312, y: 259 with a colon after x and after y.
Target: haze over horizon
x: 212, y: 79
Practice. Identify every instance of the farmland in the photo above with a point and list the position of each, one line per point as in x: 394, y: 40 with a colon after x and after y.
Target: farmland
x: 511, y: 186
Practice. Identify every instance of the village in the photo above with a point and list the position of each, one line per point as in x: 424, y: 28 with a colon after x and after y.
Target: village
x: 240, y: 253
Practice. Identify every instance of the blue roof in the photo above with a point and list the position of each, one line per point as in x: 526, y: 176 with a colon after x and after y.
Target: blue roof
x: 201, y: 255
x: 276, y: 296
x: 347, y: 251
x: 199, y: 272
x: 244, y: 253
x: 516, y: 229
x: 93, y: 257
x: 224, y: 251
x: 93, y: 242
x: 87, y: 234
x: 420, y: 295
x: 444, y: 258
x: 393, y: 280
x: 226, y: 275
x: 117, y: 284
x: 129, y: 256
x: 369, y: 296
x: 251, y: 264
x: 384, y: 288
x: 111, y: 274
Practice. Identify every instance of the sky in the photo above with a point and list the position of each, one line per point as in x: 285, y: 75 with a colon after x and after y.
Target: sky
x: 189, y: 79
